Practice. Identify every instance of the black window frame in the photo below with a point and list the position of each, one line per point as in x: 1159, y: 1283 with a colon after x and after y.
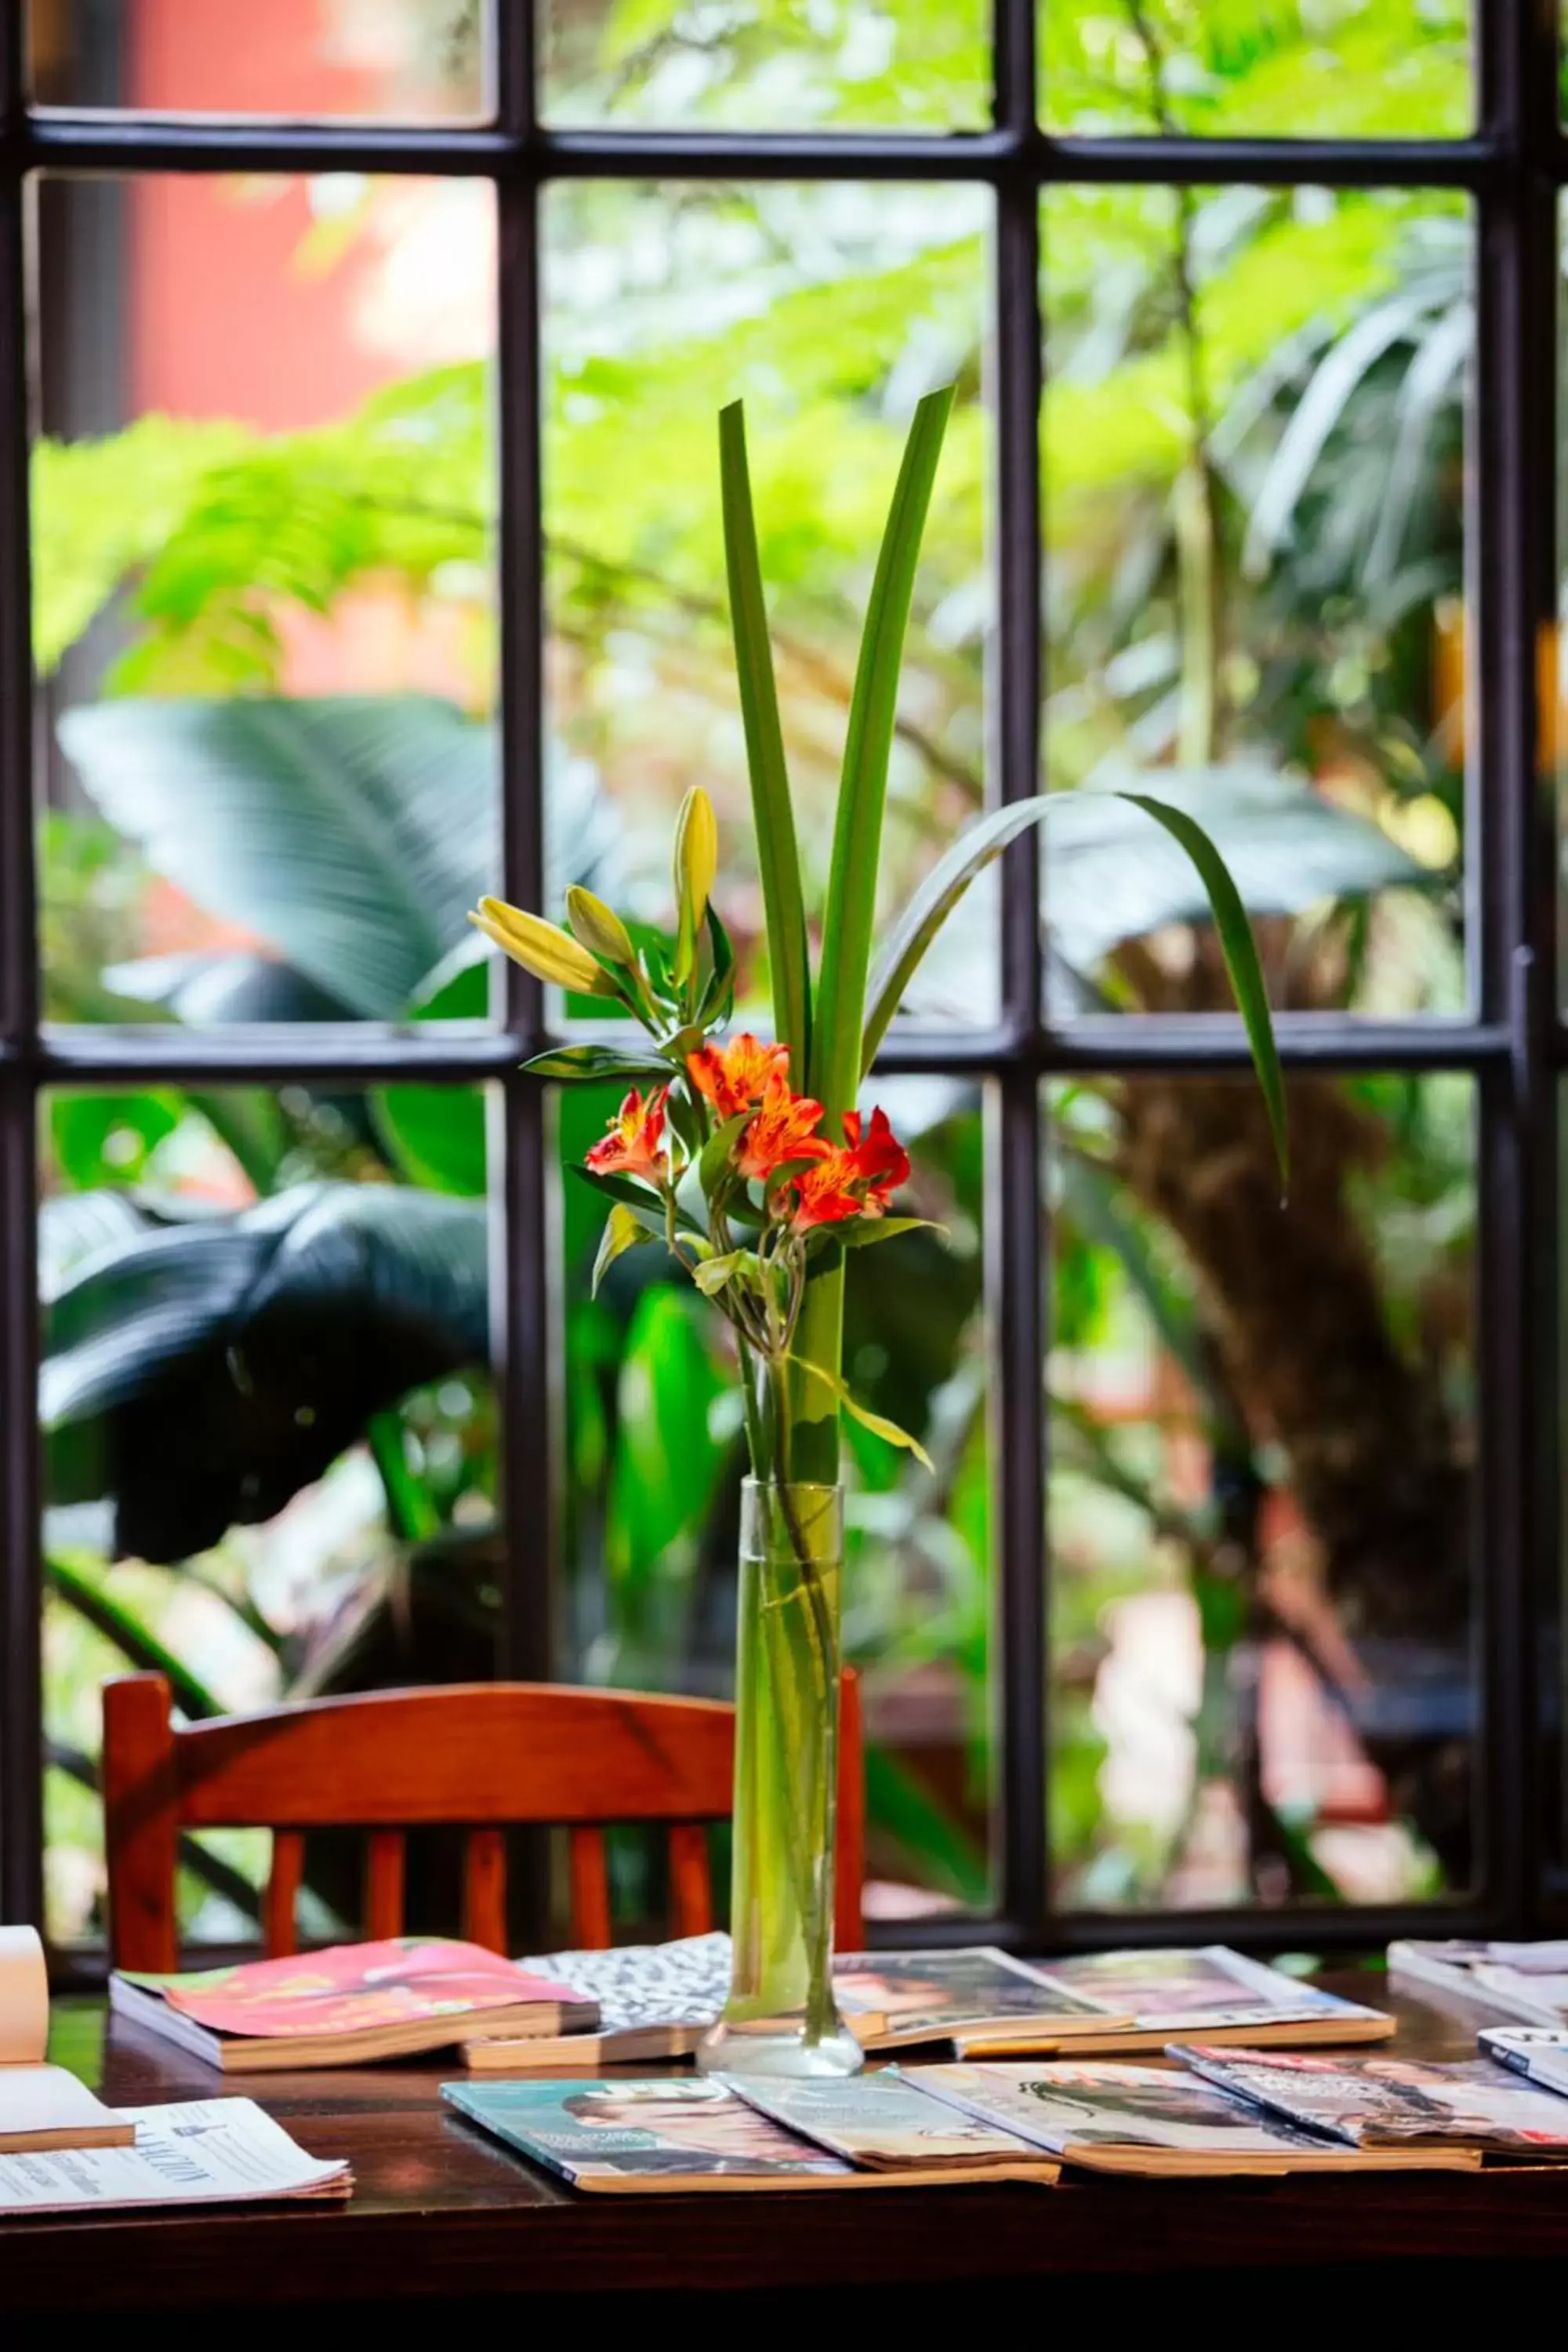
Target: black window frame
x: 1513, y: 1041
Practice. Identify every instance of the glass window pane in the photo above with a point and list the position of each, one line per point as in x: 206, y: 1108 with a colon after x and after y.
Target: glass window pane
x: 270, y: 1427
x: 1254, y: 478
x: 264, y: 609
x: 1262, y: 1428
x: 1274, y: 69
x: 654, y: 1459
x: 771, y: 64
x: 830, y: 309
x: 410, y: 60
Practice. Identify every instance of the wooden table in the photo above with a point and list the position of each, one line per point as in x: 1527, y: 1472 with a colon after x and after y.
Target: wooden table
x: 442, y: 2212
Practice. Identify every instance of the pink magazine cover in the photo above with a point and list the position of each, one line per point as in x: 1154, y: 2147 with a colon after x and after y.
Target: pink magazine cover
x: 351, y: 1987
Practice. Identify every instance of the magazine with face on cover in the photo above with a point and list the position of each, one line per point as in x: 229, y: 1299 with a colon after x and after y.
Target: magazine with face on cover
x: 638, y: 2136
x: 1110, y: 2117
x: 885, y: 2122
x: 1212, y: 1991
x: 383, y: 2000
x: 894, y: 2001
x: 1389, y: 2101
x: 1525, y: 1981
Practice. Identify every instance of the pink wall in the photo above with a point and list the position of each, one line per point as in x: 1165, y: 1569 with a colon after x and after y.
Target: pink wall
x: 223, y: 321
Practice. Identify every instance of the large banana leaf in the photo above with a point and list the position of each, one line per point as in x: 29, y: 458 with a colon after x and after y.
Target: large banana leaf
x: 349, y: 833
x: 200, y: 1373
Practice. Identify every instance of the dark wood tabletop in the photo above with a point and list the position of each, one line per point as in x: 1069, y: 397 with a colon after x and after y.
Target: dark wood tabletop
x: 440, y: 2211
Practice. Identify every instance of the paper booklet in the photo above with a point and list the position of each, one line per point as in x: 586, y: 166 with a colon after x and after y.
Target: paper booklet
x: 1538, y: 2051
x: 1153, y: 2120
x: 202, y: 2152
x: 657, y: 2000
x: 638, y: 2137
x: 350, y: 2002
x: 1527, y: 1981
x: 41, y: 2107
x: 885, y: 2123
x: 1391, y: 2101
x: 1212, y: 1991
x: 654, y: 2000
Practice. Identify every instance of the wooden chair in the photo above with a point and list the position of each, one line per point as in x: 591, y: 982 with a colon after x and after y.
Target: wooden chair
x: 476, y: 1755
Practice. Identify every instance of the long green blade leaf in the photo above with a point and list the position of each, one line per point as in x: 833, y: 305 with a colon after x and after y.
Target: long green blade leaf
x: 778, y: 856
x: 988, y: 836
x: 863, y: 786
x: 840, y: 1006
x: 1240, y: 951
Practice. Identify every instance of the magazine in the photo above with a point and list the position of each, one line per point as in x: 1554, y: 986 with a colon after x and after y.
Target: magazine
x: 654, y: 2000
x: 1537, y: 2051
x: 638, y: 2137
x: 1152, y: 2120
x: 1388, y: 2102
x: 42, y: 2107
x: 967, y: 1998
x: 200, y: 2152
x: 1526, y: 1981
x: 885, y: 2122
x: 1212, y: 1991
x: 351, y: 2001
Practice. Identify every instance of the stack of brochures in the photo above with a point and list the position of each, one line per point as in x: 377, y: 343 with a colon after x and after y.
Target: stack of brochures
x: 657, y: 2000
x: 1220, y: 2112
x: 200, y: 2152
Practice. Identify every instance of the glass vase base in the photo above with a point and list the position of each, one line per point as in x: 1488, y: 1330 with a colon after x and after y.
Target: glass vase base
x: 778, y: 2047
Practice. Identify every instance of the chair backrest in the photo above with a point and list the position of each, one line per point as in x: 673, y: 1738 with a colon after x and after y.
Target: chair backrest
x: 479, y: 1756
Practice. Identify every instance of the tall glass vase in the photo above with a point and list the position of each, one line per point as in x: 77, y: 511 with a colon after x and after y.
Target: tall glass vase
x: 780, y: 2018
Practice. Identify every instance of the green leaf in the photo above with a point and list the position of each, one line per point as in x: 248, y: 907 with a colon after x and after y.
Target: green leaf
x: 878, y: 1424
x: 627, y: 1190
x: 985, y: 840
x: 624, y: 1230
x: 863, y: 786
x: 866, y: 1232
x: 934, y: 900
x: 835, y: 1063
x: 579, y: 1063
x: 719, y: 997
x: 778, y: 856
x: 435, y: 1136
x: 93, y: 1600
x: 1240, y: 951
x: 714, y: 1165
x: 711, y: 1277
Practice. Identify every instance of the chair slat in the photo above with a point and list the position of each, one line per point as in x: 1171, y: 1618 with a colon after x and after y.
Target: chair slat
x: 690, y: 1881
x: 590, y: 1891
x: 484, y: 1889
x: 385, y: 1864
x: 279, y: 1923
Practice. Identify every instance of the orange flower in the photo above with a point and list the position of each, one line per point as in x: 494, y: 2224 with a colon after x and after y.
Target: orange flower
x: 784, y: 1129
x: 635, y: 1144
x: 827, y: 1193
x: 736, y: 1075
x: 881, y: 1160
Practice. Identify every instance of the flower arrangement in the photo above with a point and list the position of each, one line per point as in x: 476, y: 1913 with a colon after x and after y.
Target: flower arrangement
x: 753, y: 1162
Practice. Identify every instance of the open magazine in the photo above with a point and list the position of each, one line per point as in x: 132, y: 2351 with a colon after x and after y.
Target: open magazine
x: 201, y: 2152
x: 42, y: 2107
x: 637, y: 2137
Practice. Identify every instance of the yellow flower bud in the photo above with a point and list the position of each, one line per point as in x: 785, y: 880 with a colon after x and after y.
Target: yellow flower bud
x: 540, y: 948
x: 600, y: 928
x: 696, y: 854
